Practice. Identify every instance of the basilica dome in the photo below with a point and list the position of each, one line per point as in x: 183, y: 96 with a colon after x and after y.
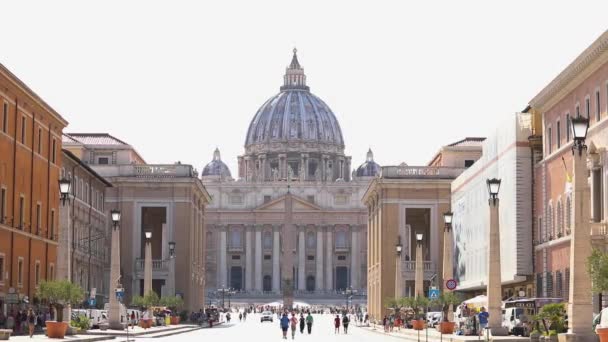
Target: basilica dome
x: 295, y: 115
x: 216, y: 167
x: 370, y: 168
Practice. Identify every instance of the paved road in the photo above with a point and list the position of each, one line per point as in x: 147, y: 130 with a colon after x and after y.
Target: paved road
x: 252, y: 331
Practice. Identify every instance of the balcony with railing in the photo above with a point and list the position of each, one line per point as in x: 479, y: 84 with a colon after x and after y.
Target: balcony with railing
x: 341, y: 247
x: 160, y: 268
x: 599, y: 232
x: 415, y: 172
x: 235, y: 247
x: 409, y: 269
x: 151, y: 171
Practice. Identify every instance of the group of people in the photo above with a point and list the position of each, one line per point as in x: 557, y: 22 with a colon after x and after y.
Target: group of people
x: 391, y: 322
x: 22, y: 319
x: 286, y: 322
x: 345, y: 322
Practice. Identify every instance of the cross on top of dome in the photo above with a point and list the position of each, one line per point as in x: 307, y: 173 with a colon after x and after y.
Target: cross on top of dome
x: 294, y: 75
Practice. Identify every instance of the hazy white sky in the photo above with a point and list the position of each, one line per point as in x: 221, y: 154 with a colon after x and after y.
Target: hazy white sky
x: 177, y: 78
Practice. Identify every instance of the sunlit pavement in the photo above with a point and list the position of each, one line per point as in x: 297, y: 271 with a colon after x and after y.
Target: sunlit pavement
x: 253, y: 330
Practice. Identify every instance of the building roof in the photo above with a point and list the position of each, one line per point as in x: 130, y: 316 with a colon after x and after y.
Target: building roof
x: 85, y: 166
x: 468, y: 141
x: 93, y: 139
x: 29, y: 91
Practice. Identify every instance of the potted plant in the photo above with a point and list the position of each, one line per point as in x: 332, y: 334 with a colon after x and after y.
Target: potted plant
x: 145, y: 303
x: 536, y: 334
x: 174, y: 303
x: 553, y: 318
x: 418, y: 305
x: 597, y: 267
x: 447, y: 299
x: 59, y: 294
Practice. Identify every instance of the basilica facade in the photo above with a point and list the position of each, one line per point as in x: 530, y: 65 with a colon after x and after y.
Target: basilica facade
x: 293, y: 161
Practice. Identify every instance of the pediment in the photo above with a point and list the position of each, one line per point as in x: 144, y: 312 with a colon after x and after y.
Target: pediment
x: 298, y: 204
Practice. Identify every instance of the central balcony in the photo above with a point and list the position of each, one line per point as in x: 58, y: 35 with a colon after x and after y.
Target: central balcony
x: 160, y: 268
x: 409, y: 269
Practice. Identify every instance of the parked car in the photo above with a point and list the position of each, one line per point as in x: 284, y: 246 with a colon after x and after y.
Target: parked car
x: 266, y: 316
x: 433, y: 318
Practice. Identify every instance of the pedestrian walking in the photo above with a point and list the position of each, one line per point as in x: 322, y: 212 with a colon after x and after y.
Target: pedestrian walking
x: 385, y: 323
x: 302, y: 323
x: 309, y: 321
x: 345, y: 321
x: 483, y: 320
x: 294, y: 325
x: 240, y: 316
x: 337, y: 324
x: 284, y: 323
x: 31, y: 322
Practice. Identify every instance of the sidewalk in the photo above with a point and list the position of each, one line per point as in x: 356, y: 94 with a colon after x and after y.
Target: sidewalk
x: 436, y: 336
x: 73, y: 338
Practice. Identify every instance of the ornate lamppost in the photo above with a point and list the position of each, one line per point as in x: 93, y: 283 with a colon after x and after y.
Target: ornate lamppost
x: 494, y: 285
x: 398, y: 269
x: 115, y: 318
x: 448, y: 264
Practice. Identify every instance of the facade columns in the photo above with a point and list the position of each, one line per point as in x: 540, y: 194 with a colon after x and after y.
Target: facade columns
x: 114, y: 315
x: 262, y: 170
x: 222, y: 281
x: 276, y: 254
x: 248, y: 257
x: 324, y: 175
x: 148, y: 267
x: 329, y: 265
x: 304, y: 167
x: 282, y: 166
x: 354, y: 258
x: 301, y: 261
x: 580, y: 308
x: 319, y: 260
x: 258, y: 258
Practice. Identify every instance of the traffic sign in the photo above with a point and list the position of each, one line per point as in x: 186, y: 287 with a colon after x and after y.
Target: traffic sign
x: 433, y: 293
x: 451, y: 284
x: 92, y: 302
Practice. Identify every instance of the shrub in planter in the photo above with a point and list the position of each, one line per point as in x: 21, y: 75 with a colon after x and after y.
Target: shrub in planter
x: 597, y: 267
x: 59, y: 294
x: 81, y: 322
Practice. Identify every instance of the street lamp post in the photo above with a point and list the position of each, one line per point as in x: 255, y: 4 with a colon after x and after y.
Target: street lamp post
x: 398, y: 270
x: 114, y: 316
x: 580, y: 308
x: 148, y: 262
x: 494, y: 285
x: 447, y: 254
x: 419, y: 276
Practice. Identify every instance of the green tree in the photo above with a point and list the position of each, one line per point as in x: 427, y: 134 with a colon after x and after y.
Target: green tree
x: 446, y: 299
x: 172, y: 302
x: 60, y: 293
x: 553, y: 317
x: 597, y: 267
x: 138, y: 301
x: 151, y: 299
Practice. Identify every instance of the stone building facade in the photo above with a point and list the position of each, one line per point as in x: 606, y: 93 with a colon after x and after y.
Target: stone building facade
x: 168, y: 199
x: 84, y: 243
x: 294, y: 143
x: 30, y: 162
x: 402, y: 202
x: 580, y: 89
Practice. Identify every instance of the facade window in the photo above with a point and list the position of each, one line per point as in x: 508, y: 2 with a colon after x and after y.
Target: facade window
x: 267, y: 198
x: 541, y: 230
x: 1, y: 268
x: 5, y: 117
x: 468, y: 163
x: 37, y: 273
x: 597, y: 105
x: 20, y: 272
x: 311, y: 240
x: 235, y: 239
x: 267, y: 240
x: 86, y: 192
x: 558, y: 138
x: 587, y: 107
x: 310, y: 258
x: 103, y: 161
x: 23, y: 129
x: 549, y: 141
x: 38, y: 218
x: 52, y: 224
x: 21, y: 212
x: 75, y: 186
x: 267, y: 257
x: 39, y: 140
x: 341, y: 257
x: 578, y: 110
x: 568, y: 214
x: 236, y: 257
x: 310, y: 198
x: 341, y: 239
x: 2, y: 205
x: 568, y: 127
x: 54, y: 151
x: 560, y: 218
x: 550, y: 218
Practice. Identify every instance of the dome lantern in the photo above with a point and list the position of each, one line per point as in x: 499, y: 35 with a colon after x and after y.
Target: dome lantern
x: 294, y: 75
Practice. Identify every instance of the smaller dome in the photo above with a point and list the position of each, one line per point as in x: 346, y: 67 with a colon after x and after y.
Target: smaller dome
x: 216, y: 167
x: 370, y: 168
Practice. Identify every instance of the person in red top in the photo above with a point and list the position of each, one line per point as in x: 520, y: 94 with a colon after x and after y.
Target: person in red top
x: 337, y: 324
x: 294, y: 324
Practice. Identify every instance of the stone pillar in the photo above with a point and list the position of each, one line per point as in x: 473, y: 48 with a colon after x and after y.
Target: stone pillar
x: 494, y: 287
x: 354, y: 259
x: 114, y: 315
x: 282, y: 166
x: 398, y: 276
x: 303, y: 167
x: 319, y: 260
x: 419, y: 275
x: 222, y: 281
x: 347, y: 171
x: 248, y: 259
x: 329, y: 264
x: 324, y: 175
x: 301, y: 261
x: 258, y: 258
x: 276, y: 254
x: 148, y: 268
x: 580, y: 308
x: 341, y: 168
x: 64, y: 267
x: 262, y: 171
x: 248, y: 168
x: 241, y: 170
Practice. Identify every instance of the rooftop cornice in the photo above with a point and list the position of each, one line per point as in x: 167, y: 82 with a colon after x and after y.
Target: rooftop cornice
x: 586, y: 63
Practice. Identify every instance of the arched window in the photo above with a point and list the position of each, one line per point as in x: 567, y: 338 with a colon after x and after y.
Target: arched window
x: 267, y: 240
x: 75, y: 186
x: 568, y: 215
x: 560, y: 220
x: 311, y: 240
x: 549, y: 225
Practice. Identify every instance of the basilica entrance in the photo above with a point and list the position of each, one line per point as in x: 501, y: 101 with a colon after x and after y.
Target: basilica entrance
x: 341, y: 277
x: 267, y: 286
x: 310, y: 283
x: 236, y: 278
